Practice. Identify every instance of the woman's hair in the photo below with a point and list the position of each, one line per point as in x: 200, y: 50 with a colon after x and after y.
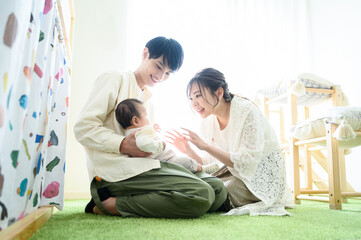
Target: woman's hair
x: 126, y: 110
x: 211, y: 79
x: 169, y: 48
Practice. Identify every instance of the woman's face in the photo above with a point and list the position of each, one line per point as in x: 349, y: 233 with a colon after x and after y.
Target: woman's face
x: 202, y: 102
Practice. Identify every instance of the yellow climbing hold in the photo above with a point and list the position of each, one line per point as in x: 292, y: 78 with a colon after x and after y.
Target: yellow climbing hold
x: 26, y: 149
x: 5, y: 81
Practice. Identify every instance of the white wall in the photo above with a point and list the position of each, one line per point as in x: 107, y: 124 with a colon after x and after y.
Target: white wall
x: 97, y: 47
x: 336, y: 40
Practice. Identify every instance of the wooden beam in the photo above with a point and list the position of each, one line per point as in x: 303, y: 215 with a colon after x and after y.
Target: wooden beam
x: 308, y: 168
x: 296, y: 169
x: 333, y: 163
x: 266, y: 107
x: 320, y: 90
x: 308, y: 191
x: 316, y: 148
x: 351, y: 194
x: 282, y: 126
x: 313, y: 198
x: 313, y: 140
x: 27, y: 226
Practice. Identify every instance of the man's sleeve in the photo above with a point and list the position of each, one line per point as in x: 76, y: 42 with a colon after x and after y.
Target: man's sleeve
x: 89, y: 129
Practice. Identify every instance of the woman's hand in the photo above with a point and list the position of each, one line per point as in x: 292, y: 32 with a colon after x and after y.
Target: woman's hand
x: 179, y: 141
x: 195, y: 139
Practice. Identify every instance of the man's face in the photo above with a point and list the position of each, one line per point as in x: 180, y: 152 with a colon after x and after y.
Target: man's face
x: 154, y: 71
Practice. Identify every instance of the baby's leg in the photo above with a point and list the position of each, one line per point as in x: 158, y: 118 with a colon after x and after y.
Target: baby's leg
x: 188, y: 163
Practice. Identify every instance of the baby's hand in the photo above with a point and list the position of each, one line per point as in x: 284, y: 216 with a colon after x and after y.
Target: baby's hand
x: 157, y: 127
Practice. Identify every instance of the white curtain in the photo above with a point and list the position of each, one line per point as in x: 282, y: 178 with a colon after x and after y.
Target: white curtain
x: 34, y: 83
x: 253, y: 42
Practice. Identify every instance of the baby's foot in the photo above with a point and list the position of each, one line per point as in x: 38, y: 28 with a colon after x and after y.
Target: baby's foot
x: 210, y: 168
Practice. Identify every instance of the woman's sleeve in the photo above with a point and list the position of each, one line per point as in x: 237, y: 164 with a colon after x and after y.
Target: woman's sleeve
x: 251, y: 146
x: 89, y: 129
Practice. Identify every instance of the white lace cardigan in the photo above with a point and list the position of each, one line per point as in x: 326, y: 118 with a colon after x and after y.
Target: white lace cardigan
x: 257, y: 158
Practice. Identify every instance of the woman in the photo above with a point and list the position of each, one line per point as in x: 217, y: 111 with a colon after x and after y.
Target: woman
x: 237, y: 134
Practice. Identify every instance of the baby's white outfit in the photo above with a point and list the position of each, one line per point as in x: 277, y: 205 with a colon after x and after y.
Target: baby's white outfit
x: 147, y: 140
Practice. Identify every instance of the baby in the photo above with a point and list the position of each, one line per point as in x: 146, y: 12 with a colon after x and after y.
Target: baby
x: 132, y: 116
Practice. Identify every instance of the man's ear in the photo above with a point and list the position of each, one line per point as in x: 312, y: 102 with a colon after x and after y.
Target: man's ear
x: 135, y: 121
x: 145, y: 54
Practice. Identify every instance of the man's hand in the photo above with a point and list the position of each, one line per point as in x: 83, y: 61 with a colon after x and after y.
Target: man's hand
x: 128, y: 146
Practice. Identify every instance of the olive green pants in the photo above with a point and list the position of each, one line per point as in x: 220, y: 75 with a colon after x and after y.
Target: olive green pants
x: 168, y: 192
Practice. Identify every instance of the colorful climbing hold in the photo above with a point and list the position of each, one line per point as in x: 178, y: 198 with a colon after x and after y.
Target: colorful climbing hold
x: 38, y: 165
x: 26, y: 149
x: 52, y: 164
x: 52, y: 190
x: 39, y: 138
x: 14, y: 157
x: 2, y: 115
x: 59, y: 75
x: 23, y: 101
x: 9, y: 95
x: 11, y: 30
x: 53, y: 139
x: 22, y: 188
x: 38, y: 71
x: 27, y: 72
x: 35, y: 200
x: 5, y: 78
x: 48, y: 6
x: 41, y: 36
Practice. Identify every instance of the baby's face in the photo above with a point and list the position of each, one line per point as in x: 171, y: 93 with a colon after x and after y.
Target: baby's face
x: 143, y: 121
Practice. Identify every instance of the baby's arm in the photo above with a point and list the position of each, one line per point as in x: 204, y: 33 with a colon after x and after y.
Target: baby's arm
x: 148, y: 143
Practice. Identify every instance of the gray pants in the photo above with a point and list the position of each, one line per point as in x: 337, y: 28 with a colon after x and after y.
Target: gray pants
x: 168, y: 192
x: 238, y: 193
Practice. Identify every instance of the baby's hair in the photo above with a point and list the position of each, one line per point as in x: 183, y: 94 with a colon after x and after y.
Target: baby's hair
x: 126, y: 110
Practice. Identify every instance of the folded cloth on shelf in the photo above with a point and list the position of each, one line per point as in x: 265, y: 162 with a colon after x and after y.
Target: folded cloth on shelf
x: 298, y: 87
x: 348, y: 119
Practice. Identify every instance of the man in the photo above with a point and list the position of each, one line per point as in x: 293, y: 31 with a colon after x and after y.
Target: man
x: 123, y: 181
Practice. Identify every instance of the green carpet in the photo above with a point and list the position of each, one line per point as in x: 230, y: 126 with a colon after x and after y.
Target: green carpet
x: 310, y: 220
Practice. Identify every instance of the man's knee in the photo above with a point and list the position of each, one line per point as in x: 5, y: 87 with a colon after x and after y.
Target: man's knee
x: 219, y: 189
x: 204, y: 200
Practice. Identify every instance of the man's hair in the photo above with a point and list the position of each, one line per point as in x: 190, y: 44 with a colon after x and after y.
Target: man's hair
x: 169, y: 48
x: 126, y: 110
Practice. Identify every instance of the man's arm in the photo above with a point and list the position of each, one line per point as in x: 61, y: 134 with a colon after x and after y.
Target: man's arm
x: 89, y: 129
x: 129, y: 146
